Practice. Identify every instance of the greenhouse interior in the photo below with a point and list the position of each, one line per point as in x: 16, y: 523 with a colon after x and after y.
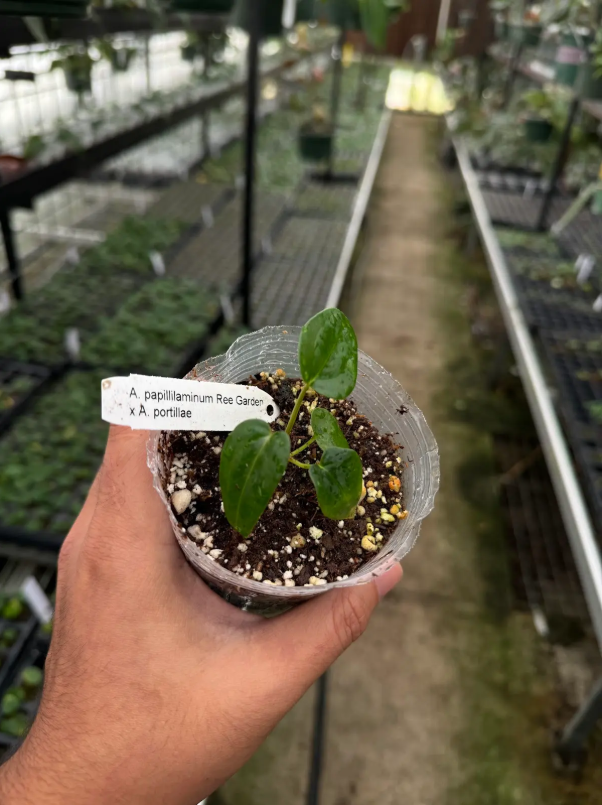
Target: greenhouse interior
x: 363, y: 215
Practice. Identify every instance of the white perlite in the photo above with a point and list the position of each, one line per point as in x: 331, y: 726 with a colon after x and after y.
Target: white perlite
x: 180, y: 500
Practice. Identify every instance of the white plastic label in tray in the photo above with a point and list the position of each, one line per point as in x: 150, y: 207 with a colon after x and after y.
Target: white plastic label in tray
x: 166, y: 403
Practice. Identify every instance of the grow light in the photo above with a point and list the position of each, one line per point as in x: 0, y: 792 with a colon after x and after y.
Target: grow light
x: 417, y: 91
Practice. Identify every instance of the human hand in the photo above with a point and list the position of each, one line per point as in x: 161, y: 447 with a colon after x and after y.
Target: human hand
x: 156, y: 690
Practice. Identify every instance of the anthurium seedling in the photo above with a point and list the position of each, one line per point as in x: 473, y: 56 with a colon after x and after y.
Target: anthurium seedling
x: 255, y: 457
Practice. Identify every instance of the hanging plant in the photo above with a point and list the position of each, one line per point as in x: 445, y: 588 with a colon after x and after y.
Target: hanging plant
x: 76, y: 64
x: 376, y: 16
x: 118, y: 57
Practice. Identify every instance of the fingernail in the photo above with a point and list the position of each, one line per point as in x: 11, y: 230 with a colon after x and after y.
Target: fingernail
x: 386, y: 582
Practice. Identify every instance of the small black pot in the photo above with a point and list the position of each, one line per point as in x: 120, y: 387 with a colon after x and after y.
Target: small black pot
x: 78, y: 81
x: 315, y: 146
x: 537, y: 130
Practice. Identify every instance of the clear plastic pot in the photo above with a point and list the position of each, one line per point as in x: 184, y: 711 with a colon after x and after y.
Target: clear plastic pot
x: 378, y: 396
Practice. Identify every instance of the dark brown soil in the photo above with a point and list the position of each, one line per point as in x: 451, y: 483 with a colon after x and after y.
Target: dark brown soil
x: 293, y: 544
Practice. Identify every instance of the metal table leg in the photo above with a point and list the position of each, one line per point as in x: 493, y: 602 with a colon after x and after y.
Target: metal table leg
x: 11, y: 253
x: 571, y: 746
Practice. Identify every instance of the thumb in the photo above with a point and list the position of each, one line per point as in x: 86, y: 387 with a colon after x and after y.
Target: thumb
x: 311, y: 637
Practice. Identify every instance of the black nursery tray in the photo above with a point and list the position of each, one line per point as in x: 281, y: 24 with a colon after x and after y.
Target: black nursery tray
x: 9, y: 658
x: 19, y: 383
x: 511, y: 182
x: 575, y: 361
x: 34, y: 656
x: 583, y: 236
x: 550, y: 296
x: 520, y: 210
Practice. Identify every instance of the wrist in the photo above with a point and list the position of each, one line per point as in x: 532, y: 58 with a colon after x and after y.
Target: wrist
x: 31, y: 778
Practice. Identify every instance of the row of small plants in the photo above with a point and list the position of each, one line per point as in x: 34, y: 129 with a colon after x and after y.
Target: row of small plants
x: 81, y: 295
x: 280, y: 163
x: 574, y: 357
x: 49, y: 457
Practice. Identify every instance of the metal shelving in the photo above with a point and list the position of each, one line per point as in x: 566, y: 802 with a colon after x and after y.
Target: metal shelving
x: 565, y: 480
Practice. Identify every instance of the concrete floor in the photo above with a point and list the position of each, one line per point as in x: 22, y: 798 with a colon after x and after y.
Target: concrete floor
x: 439, y: 703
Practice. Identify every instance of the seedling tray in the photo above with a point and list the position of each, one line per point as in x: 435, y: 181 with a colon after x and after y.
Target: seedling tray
x: 575, y: 361
x: 543, y: 569
x: 545, y: 312
x: 482, y: 162
x: 19, y: 384
x: 511, y: 182
x: 583, y: 235
x: 9, y: 658
x: 320, y: 200
x: 35, y: 655
x: 548, y: 288
x: 290, y: 291
x: 520, y: 211
x: 302, y: 240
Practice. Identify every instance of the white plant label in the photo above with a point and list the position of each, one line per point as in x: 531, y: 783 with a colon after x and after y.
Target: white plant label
x: 5, y: 303
x: 72, y: 343
x: 158, y: 263
x: 167, y: 403
x: 586, y: 267
x: 37, y: 599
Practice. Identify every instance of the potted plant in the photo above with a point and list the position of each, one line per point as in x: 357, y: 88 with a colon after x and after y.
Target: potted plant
x: 76, y: 64
x: 499, y: 11
x: 376, y: 16
x: 524, y: 26
x: 538, y: 112
x: 576, y: 20
x: 316, y: 136
x: 118, y: 57
x: 273, y: 515
x: 191, y: 47
x: 11, y: 166
x: 590, y: 80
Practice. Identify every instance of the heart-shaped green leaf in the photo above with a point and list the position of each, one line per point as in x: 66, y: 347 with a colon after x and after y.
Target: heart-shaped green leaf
x: 338, y: 482
x: 253, y: 461
x: 326, y: 429
x: 328, y: 354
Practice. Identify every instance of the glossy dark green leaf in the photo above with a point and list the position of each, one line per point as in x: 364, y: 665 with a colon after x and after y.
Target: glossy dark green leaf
x: 326, y: 429
x: 338, y: 482
x: 328, y: 354
x: 253, y: 461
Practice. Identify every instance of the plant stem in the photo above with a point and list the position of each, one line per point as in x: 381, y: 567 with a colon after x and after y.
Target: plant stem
x: 299, y: 464
x: 303, y: 446
x: 296, y: 409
